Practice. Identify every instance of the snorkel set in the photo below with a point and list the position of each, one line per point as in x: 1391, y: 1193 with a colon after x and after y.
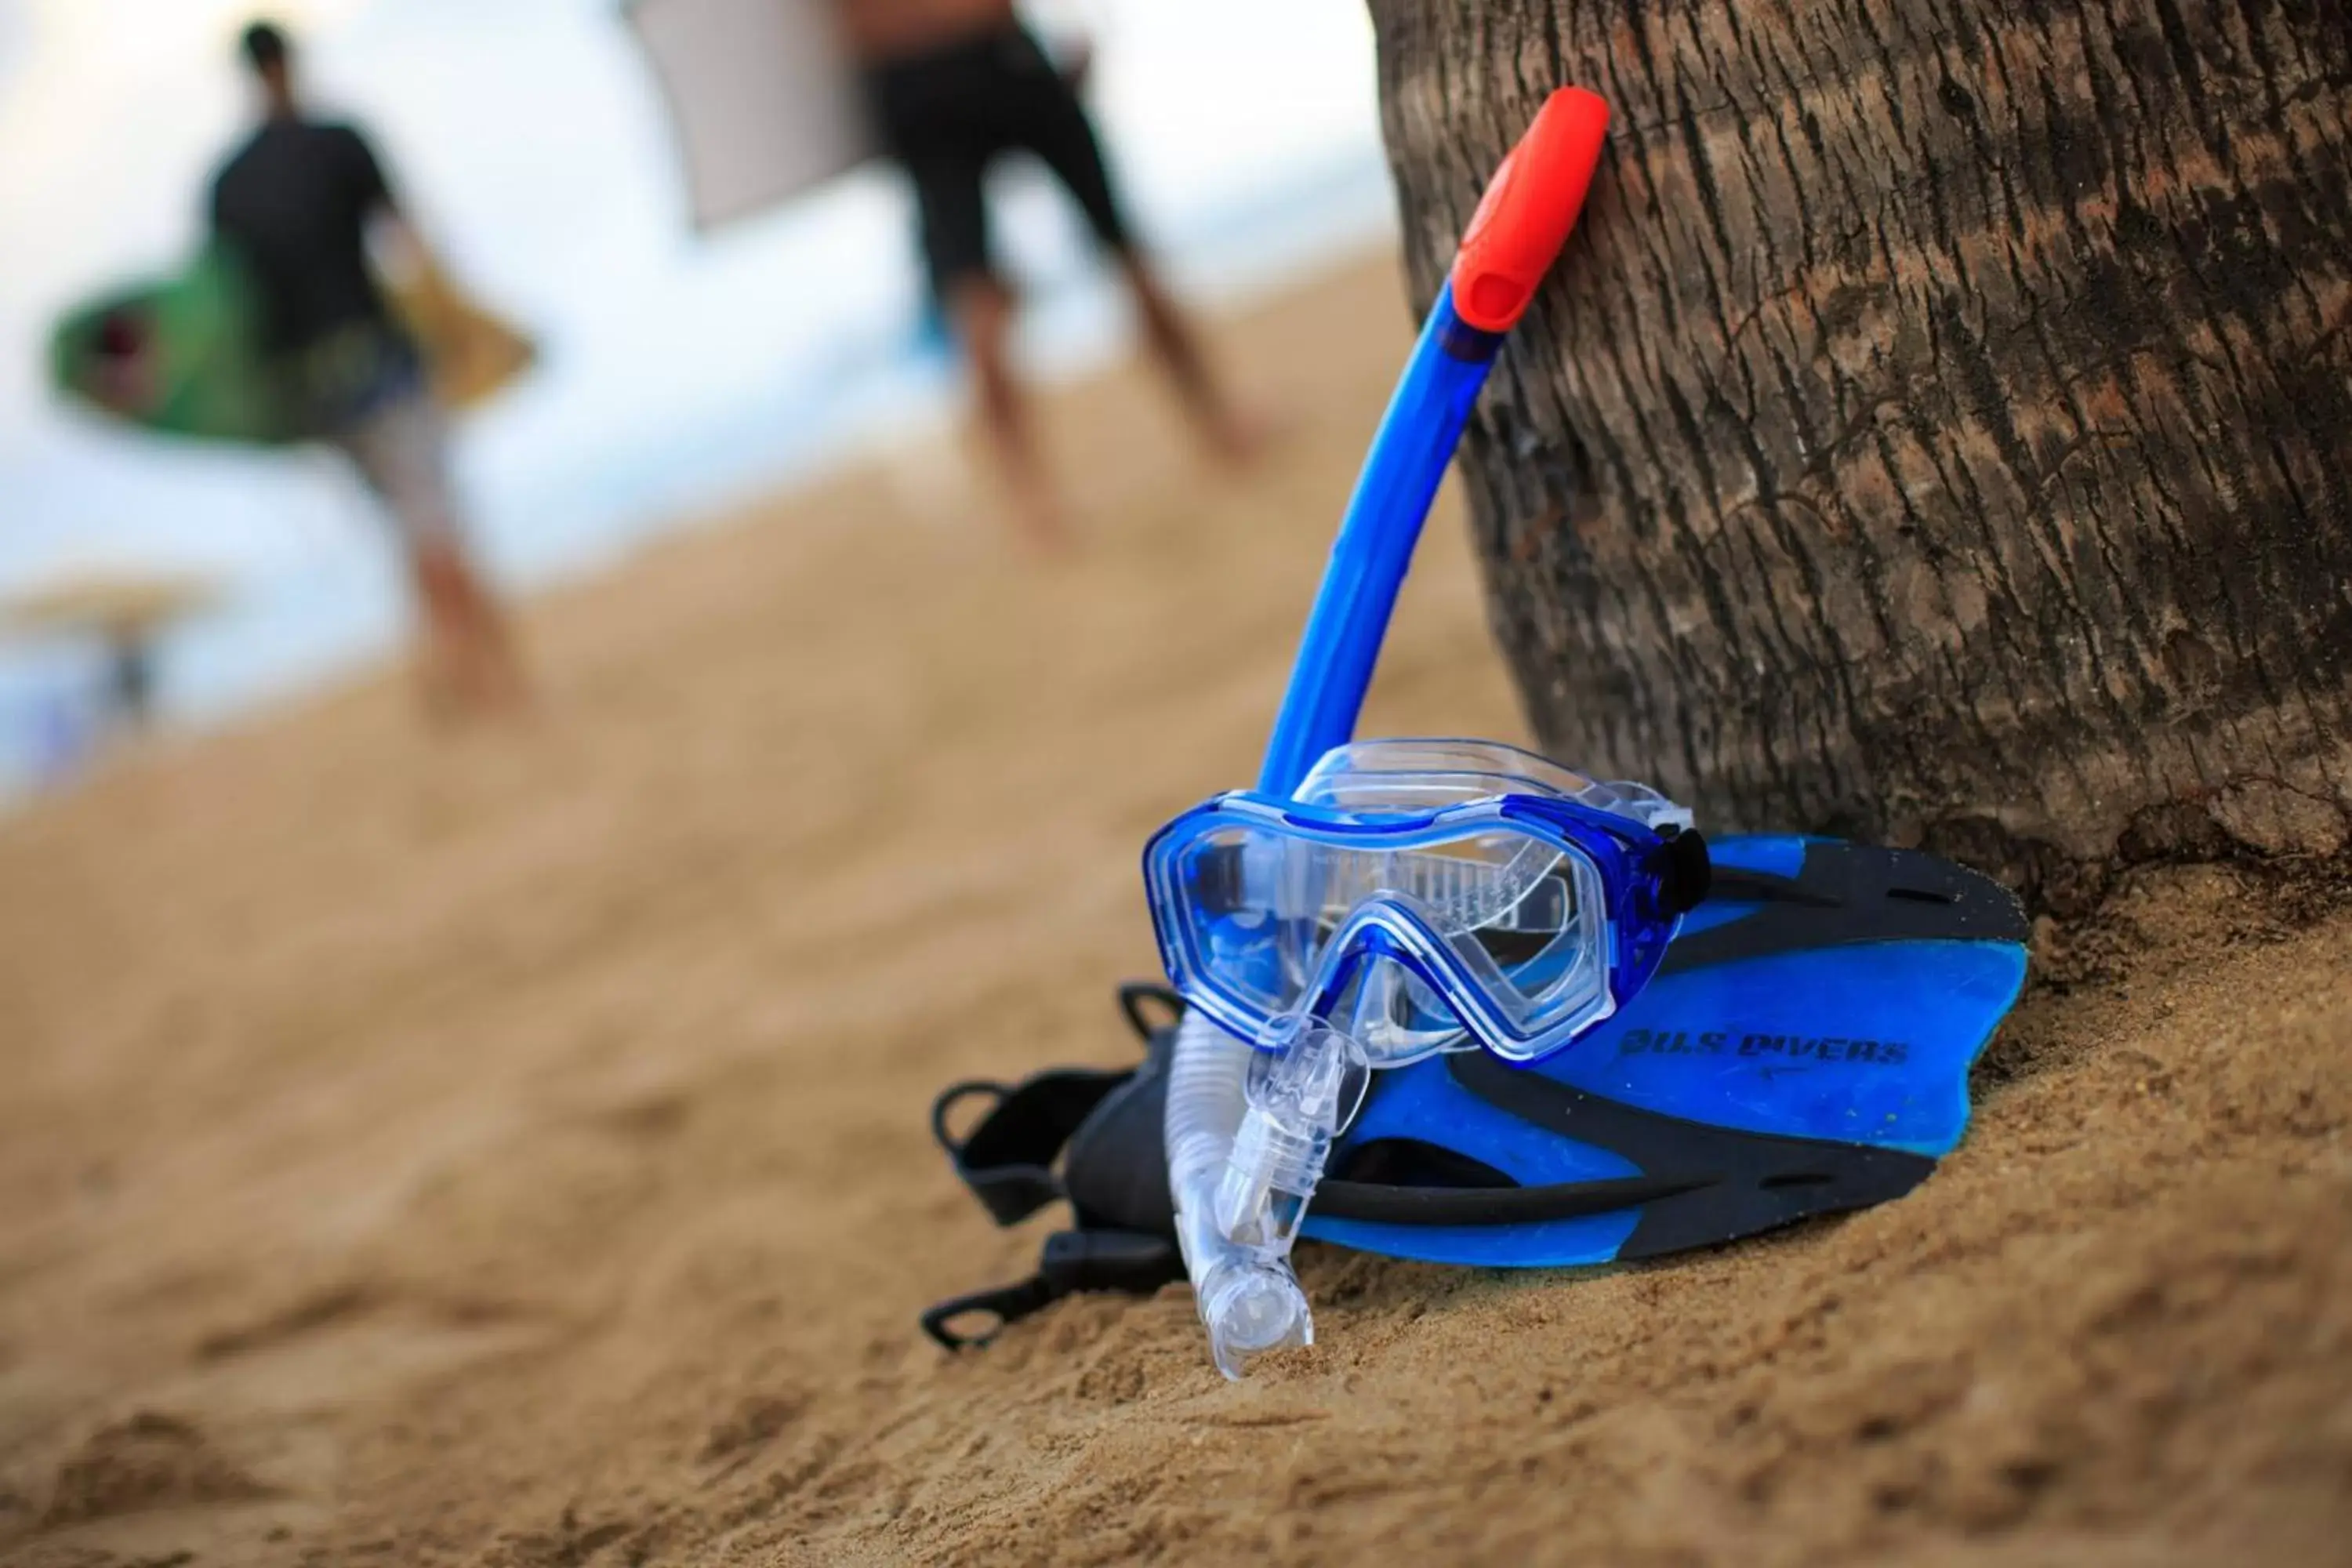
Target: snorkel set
x: 1384, y: 952
x: 1411, y: 898
x: 1368, y: 906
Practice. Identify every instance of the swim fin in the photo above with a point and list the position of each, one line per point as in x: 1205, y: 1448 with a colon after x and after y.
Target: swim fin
x: 1803, y: 1049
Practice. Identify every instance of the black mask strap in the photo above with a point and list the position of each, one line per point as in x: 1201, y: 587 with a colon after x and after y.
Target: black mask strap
x: 1075, y: 1261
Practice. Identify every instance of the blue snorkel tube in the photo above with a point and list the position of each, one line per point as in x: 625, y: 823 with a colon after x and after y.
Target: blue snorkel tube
x: 1249, y: 1300
x: 1407, y: 462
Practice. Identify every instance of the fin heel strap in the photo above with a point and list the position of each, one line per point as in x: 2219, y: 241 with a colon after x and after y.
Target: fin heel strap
x: 1073, y: 1261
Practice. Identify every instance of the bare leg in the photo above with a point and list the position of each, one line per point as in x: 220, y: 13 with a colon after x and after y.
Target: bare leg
x: 467, y: 658
x: 1232, y: 437
x: 982, y: 313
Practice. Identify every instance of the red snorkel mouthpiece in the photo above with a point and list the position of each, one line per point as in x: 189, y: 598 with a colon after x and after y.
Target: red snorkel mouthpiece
x: 1529, y: 208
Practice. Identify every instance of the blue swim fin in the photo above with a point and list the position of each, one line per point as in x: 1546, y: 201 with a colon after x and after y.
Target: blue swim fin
x: 1803, y: 1049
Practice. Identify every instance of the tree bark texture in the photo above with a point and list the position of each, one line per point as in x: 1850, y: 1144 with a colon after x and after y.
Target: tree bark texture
x: 1937, y: 430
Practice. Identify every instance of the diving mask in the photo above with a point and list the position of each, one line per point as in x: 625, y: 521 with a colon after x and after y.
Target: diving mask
x: 1421, y: 895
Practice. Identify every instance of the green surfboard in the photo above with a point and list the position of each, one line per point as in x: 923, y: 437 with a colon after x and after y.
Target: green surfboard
x: 178, y: 356
x: 175, y: 356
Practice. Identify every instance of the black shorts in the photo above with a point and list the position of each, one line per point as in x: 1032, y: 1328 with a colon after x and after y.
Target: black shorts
x: 946, y: 114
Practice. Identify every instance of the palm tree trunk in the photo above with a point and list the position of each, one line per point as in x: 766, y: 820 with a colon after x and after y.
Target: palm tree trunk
x: 1938, y: 430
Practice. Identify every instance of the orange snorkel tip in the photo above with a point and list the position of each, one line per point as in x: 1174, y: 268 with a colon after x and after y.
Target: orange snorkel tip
x: 1528, y: 211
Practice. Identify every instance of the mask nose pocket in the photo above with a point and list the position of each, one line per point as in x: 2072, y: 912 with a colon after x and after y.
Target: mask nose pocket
x: 1397, y: 1016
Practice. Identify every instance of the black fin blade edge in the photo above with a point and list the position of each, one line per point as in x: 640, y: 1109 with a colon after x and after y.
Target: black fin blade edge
x: 1701, y: 1185
x: 1849, y: 894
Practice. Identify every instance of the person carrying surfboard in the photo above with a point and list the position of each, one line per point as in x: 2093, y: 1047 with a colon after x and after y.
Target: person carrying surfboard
x: 953, y: 84
x: 295, y: 204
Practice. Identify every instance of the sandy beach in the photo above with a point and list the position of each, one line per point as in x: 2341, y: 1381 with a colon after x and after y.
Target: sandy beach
x: 513, y: 1150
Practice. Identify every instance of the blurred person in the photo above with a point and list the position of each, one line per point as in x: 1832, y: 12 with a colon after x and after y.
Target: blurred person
x: 953, y: 84
x: 297, y: 204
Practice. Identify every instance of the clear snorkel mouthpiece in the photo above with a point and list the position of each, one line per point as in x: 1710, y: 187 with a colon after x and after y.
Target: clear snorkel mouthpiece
x: 1306, y: 1081
x: 1248, y: 1305
x: 1237, y: 1222
x: 1249, y: 1301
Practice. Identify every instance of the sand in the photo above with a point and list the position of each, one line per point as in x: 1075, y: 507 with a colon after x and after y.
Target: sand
x: 513, y: 1151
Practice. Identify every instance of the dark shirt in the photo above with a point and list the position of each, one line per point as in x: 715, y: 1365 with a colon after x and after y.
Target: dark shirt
x: 293, y: 203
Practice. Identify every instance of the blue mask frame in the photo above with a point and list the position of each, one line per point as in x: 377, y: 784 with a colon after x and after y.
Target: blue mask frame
x: 1647, y: 879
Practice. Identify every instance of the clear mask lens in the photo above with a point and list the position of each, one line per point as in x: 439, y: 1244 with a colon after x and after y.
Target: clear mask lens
x: 1518, y: 915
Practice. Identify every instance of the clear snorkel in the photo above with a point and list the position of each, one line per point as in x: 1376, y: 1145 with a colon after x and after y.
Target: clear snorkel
x: 1248, y: 1128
